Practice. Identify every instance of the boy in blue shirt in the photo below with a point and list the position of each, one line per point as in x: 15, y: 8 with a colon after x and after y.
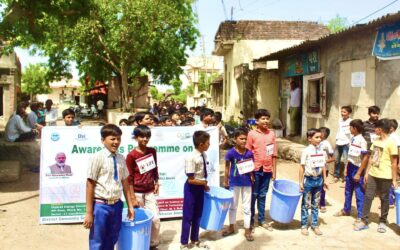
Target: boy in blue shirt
x: 238, y: 178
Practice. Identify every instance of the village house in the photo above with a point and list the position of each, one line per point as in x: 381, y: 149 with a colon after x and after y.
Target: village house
x: 246, y: 87
x: 10, y: 85
x: 357, y: 66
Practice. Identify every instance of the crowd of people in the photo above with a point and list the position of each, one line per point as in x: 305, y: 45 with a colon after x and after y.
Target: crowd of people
x: 369, y: 151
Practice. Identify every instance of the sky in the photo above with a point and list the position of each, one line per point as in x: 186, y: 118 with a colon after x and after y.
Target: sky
x: 211, y: 13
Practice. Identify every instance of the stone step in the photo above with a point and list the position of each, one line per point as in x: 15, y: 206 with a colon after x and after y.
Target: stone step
x: 9, y: 171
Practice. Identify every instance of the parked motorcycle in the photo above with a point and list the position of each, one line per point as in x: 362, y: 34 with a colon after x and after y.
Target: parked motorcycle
x: 86, y: 112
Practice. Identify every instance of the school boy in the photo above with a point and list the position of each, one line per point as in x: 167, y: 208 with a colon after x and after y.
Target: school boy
x: 143, y: 178
x: 206, y: 118
x: 69, y: 117
x: 369, y: 125
x: 381, y: 174
x: 166, y: 121
x: 238, y: 178
x: 327, y: 147
x: 312, y: 180
x: 107, y: 177
x: 355, y: 170
x: 193, y: 191
x: 393, y: 127
x: 342, y: 140
x: 261, y: 141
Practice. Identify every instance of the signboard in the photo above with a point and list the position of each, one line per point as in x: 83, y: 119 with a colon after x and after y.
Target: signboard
x: 302, y: 64
x: 387, y: 42
x: 63, y: 194
x: 358, y: 79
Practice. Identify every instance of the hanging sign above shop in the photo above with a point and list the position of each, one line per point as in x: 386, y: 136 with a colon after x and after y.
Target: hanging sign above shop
x: 302, y: 64
x: 387, y: 42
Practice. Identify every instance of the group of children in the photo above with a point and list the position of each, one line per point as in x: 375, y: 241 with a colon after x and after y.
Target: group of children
x: 370, y: 152
x: 249, y: 168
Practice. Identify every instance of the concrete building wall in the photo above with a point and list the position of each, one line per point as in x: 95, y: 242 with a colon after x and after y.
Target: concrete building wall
x: 268, y: 92
x: 245, y: 51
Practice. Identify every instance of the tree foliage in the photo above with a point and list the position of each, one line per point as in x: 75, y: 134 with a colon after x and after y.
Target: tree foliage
x: 337, y: 24
x: 104, y: 37
x: 34, y: 80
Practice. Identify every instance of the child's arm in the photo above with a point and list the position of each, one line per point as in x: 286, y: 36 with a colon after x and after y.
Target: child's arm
x: 88, y: 221
x: 364, y: 163
x: 301, y: 178
x: 156, y: 176
x: 330, y: 159
x: 274, y: 167
x: 394, y: 170
x: 325, y: 187
x: 193, y: 181
x: 226, y: 177
x: 127, y: 193
x: 132, y: 196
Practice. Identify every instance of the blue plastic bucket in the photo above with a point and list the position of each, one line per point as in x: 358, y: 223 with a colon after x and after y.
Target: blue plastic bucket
x: 397, y: 193
x: 285, y: 197
x: 135, y: 234
x: 216, y: 205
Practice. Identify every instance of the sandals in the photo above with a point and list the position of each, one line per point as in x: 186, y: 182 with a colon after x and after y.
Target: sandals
x: 227, y: 232
x: 201, y: 244
x: 304, y: 231
x: 266, y: 226
x: 360, y: 226
x: 382, y: 228
x: 341, y: 213
x: 248, y: 235
x: 317, y: 231
x: 322, y: 209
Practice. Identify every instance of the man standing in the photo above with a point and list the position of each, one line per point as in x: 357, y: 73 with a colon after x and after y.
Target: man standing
x: 60, y: 167
x: 51, y: 113
x: 294, y: 108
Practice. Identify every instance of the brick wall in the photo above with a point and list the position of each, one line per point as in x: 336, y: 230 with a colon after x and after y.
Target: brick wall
x: 270, y: 30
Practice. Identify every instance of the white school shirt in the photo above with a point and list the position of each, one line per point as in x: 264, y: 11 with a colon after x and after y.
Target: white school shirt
x: 358, y: 148
x: 327, y: 147
x: 195, y: 165
x: 395, y: 138
x: 101, y: 170
x: 343, y: 134
x: 308, y: 159
x: 51, y: 117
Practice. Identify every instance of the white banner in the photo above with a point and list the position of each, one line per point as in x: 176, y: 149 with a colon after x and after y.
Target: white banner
x: 63, y: 189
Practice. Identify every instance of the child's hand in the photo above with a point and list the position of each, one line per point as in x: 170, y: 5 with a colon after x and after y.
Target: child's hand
x: 326, y: 187
x: 134, y: 202
x: 273, y: 175
x: 226, y: 183
x: 156, y: 188
x: 88, y: 221
x: 206, y: 188
x: 345, y: 172
x: 356, y: 178
x: 301, y: 187
x: 394, y: 183
x: 131, y: 213
x: 252, y: 179
x: 365, y: 179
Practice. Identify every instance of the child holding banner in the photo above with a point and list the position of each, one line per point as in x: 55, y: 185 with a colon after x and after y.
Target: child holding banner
x: 143, y: 178
x: 107, y: 177
x: 193, y: 191
x: 239, y: 177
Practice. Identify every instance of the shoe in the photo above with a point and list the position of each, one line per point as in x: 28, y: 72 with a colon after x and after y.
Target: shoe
x: 335, y: 180
x: 317, y: 231
x: 360, y: 226
x: 201, y: 244
x: 382, y: 227
x: 248, y: 235
x: 304, y: 231
x: 185, y: 247
x: 252, y: 228
x: 358, y: 220
x: 323, y: 209
x: 227, y: 232
x: 341, y: 213
x: 266, y: 226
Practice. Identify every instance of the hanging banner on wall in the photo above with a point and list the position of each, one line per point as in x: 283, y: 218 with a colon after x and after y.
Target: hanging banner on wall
x: 63, y: 193
x: 302, y: 64
x: 387, y: 42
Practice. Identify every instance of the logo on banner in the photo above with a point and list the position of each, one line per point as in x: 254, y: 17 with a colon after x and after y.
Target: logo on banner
x: 81, y: 137
x: 55, y: 136
x: 183, y: 136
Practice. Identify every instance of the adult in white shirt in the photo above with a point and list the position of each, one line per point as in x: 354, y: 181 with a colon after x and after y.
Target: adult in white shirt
x: 50, y: 113
x: 294, y: 107
x: 100, y: 107
x: 16, y: 129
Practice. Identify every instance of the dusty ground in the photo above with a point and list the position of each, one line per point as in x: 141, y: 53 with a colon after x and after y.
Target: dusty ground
x: 19, y: 227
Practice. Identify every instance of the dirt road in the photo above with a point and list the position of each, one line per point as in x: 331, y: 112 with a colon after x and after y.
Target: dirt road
x: 19, y: 227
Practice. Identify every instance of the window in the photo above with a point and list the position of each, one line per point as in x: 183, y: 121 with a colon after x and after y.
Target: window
x: 316, y: 95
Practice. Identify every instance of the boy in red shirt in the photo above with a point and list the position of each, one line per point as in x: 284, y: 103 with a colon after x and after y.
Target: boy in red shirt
x: 143, y: 178
x: 261, y: 142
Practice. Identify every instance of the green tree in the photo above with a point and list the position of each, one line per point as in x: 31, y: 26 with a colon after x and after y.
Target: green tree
x: 205, y: 80
x: 337, y: 24
x: 34, y: 80
x: 155, y: 94
x: 105, y: 37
